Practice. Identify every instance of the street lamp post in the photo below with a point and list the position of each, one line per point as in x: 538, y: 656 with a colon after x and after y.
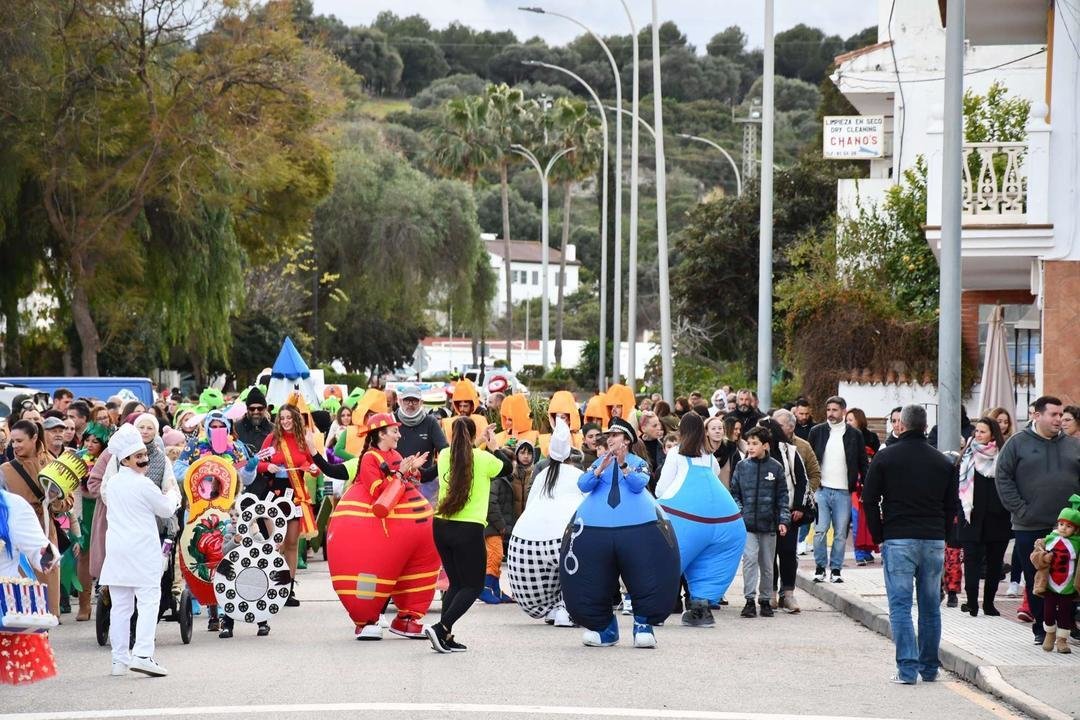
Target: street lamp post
x: 734, y: 167
x: 545, y: 301
x: 601, y: 380
x: 631, y: 313
x: 616, y: 330
x: 666, y: 350
x: 641, y: 120
x: 765, y: 260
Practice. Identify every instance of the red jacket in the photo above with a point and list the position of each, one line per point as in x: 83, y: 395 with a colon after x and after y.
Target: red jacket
x: 300, y: 458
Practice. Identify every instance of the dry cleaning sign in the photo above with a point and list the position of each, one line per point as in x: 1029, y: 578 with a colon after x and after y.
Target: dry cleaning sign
x: 858, y: 137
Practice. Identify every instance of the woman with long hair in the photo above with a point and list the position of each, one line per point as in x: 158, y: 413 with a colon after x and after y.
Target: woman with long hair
x: 465, y: 475
x: 985, y: 524
x: 533, y: 559
x: 864, y: 544
x: 381, y: 530
x: 724, y: 450
x: 1004, y: 420
x: 706, y: 520
x: 289, y: 460
x: 29, y: 456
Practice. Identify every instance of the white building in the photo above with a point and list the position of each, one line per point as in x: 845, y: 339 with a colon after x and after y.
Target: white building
x: 1019, y: 241
x: 526, y: 270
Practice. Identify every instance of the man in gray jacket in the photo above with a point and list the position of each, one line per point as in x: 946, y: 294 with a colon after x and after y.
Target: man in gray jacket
x: 1037, y: 471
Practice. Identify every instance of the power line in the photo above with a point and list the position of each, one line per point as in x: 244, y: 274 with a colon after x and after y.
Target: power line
x: 856, y: 78
x: 900, y: 87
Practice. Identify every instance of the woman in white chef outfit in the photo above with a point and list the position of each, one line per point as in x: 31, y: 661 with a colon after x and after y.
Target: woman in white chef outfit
x: 533, y: 561
x: 133, y: 560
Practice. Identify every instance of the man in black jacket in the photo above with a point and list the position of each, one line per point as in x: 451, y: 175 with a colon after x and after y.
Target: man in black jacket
x: 420, y: 433
x: 255, y: 425
x: 910, y: 498
x: 841, y: 452
x: 745, y: 412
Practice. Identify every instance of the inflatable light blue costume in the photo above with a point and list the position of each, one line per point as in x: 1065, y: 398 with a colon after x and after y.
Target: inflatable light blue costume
x: 618, y: 530
x: 709, y: 527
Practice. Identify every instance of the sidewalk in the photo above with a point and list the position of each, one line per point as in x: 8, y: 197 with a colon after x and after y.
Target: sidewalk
x: 997, y: 654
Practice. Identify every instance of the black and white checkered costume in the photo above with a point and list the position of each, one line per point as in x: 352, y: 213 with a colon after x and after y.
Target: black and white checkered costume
x: 533, y: 571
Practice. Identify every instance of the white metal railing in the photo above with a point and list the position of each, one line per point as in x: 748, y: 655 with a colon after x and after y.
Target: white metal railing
x: 995, y: 184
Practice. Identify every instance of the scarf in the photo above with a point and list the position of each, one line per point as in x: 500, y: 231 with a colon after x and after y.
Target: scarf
x: 156, y: 470
x: 414, y: 420
x: 977, y: 458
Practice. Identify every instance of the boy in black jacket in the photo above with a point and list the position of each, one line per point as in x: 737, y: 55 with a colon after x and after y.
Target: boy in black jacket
x: 760, y: 490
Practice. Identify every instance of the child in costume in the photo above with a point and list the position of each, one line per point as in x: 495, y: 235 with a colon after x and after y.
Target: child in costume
x: 618, y: 530
x: 532, y: 565
x: 379, y: 543
x: 1057, y: 577
x: 706, y: 520
x: 24, y: 657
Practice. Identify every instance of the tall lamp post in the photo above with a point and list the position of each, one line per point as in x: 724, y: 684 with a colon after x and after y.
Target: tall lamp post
x: 765, y: 260
x: 731, y: 160
x: 601, y: 380
x: 666, y: 356
x: 631, y: 292
x: 545, y: 301
x: 616, y: 330
x: 641, y: 120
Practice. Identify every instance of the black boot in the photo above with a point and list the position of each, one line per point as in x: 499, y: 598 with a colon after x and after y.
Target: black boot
x: 766, y: 608
x: 750, y: 609
x: 291, y: 601
x: 989, y: 591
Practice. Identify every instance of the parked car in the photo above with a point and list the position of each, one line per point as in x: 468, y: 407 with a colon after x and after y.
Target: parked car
x: 100, y: 388
x: 9, y: 391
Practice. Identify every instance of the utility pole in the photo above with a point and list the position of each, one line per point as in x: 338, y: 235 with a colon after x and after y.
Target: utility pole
x: 949, y: 349
x: 765, y: 261
x: 631, y: 310
x: 666, y: 351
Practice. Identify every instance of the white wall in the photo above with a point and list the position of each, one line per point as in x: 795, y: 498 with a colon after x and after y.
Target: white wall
x: 459, y: 355
x: 529, y: 290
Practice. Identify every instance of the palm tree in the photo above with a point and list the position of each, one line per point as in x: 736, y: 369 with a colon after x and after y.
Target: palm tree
x: 506, y: 110
x: 574, y: 127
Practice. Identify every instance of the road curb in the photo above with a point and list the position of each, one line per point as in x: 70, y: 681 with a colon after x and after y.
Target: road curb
x: 960, y: 662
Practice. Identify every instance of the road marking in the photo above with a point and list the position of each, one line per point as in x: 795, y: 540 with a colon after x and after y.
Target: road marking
x: 418, y: 708
x: 984, y: 701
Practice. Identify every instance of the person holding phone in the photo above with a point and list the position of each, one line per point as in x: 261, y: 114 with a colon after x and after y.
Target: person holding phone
x: 21, y: 535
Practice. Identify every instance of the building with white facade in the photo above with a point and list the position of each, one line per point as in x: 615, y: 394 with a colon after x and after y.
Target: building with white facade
x: 526, y: 271
x: 1020, y: 239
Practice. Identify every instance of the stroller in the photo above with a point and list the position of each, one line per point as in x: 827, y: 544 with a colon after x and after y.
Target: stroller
x: 171, y: 609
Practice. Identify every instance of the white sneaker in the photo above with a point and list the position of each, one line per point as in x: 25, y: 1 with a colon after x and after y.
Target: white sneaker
x: 550, y: 617
x: 118, y: 669
x: 370, y: 632
x: 562, y: 618
x: 800, y: 549
x: 627, y: 605
x: 1013, y: 591
x: 644, y: 640
x: 383, y: 622
x: 147, y: 666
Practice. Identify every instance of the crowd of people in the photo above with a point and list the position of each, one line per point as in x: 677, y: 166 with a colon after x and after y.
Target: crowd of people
x: 618, y: 503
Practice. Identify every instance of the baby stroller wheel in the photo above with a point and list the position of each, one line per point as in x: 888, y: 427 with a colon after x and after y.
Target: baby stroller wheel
x: 101, y: 617
x: 185, y: 614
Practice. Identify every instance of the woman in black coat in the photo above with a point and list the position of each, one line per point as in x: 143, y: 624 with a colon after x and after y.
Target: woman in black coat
x: 985, y: 525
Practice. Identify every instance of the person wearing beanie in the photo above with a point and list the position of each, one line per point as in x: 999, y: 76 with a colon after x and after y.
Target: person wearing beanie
x: 253, y: 428
x: 619, y: 530
x: 532, y: 564
x: 1057, y: 577
x: 133, y: 562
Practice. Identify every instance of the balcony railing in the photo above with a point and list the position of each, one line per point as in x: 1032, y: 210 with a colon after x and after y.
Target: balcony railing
x: 995, y: 183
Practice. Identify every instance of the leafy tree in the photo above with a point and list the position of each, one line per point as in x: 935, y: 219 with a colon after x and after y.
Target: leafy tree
x: 371, y: 56
x: 790, y: 94
x: 452, y: 87
x: 806, y: 53
x: 865, y: 37
x: 468, y: 50
x: 729, y: 42
x: 413, y: 26
x: 524, y: 216
x: 422, y: 61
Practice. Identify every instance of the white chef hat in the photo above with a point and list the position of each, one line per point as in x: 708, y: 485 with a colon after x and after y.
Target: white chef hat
x: 559, y: 447
x: 125, y: 442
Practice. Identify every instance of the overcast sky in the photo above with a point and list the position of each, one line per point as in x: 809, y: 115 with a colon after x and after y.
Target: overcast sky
x: 699, y: 19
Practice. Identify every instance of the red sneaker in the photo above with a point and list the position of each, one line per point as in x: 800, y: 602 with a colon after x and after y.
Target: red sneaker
x: 407, y: 626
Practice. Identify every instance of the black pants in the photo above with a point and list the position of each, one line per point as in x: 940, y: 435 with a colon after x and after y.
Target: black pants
x: 974, y: 553
x: 1025, y: 543
x: 464, y: 557
x: 787, y: 559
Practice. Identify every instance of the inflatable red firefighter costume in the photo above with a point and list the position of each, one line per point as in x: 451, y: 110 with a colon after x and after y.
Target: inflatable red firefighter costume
x: 379, y: 543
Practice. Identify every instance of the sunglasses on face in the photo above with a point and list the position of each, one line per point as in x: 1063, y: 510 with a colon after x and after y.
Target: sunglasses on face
x: 256, y: 408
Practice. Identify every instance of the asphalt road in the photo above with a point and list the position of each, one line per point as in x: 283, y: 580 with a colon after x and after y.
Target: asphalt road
x: 817, y: 664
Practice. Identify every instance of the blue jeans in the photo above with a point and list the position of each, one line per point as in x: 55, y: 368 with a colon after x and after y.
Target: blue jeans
x: 914, y: 565
x: 834, y: 508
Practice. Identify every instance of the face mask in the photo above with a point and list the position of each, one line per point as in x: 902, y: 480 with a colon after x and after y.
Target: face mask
x: 219, y: 439
x: 142, y: 463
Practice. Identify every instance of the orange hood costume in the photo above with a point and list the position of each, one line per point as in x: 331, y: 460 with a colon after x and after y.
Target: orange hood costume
x: 596, y: 411
x: 516, y: 421
x: 465, y: 391
x: 351, y: 442
x: 563, y: 403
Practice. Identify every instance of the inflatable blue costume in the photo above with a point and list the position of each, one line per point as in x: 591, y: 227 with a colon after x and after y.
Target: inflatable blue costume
x: 709, y: 528
x: 618, y: 530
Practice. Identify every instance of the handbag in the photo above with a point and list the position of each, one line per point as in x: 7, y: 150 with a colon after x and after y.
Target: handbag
x: 63, y: 541
x: 24, y: 604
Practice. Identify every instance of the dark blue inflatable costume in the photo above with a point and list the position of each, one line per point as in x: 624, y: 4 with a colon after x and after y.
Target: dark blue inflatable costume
x: 619, y: 530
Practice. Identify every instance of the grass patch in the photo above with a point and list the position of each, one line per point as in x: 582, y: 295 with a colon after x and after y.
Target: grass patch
x: 379, y: 108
